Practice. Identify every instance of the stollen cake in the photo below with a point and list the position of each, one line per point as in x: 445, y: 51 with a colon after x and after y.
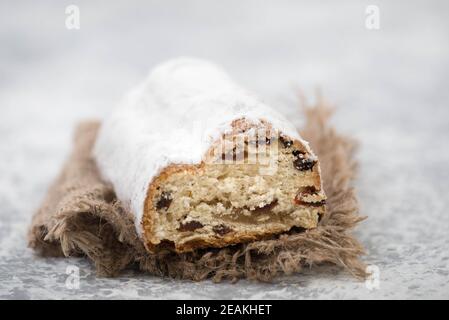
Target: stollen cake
x: 201, y: 162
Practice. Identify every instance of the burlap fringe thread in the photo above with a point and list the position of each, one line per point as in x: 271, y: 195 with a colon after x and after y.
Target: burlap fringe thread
x: 81, y: 216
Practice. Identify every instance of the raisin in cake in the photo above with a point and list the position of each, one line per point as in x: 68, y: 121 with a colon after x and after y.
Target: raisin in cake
x: 201, y: 162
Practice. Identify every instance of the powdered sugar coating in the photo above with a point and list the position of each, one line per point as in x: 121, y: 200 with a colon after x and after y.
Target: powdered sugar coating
x: 172, y: 118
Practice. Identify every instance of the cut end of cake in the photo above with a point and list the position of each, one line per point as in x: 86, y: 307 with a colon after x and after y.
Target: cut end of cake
x: 252, y: 184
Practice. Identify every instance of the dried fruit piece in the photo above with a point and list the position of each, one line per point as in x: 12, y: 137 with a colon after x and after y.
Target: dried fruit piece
x: 164, y: 201
x: 267, y: 141
x: 310, y: 204
x: 266, y: 208
x: 303, y: 164
x: 309, y: 190
x: 286, y: 143
x: 298, y: 153
x: 190, y: 226
x: 221, y: 229
x: 167, y: 244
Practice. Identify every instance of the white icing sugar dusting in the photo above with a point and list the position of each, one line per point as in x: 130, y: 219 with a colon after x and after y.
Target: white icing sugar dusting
x: 172, y: 118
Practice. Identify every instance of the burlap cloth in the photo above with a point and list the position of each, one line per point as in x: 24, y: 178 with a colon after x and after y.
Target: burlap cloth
x: 81, y: 216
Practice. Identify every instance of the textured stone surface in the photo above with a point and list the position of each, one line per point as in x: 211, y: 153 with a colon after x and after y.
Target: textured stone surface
x: 390, y: 87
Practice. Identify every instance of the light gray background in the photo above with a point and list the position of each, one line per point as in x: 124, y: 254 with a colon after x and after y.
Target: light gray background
x: 390, y: 86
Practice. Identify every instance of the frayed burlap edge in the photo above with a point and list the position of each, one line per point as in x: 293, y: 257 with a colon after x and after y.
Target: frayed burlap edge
x: 80, y: 216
